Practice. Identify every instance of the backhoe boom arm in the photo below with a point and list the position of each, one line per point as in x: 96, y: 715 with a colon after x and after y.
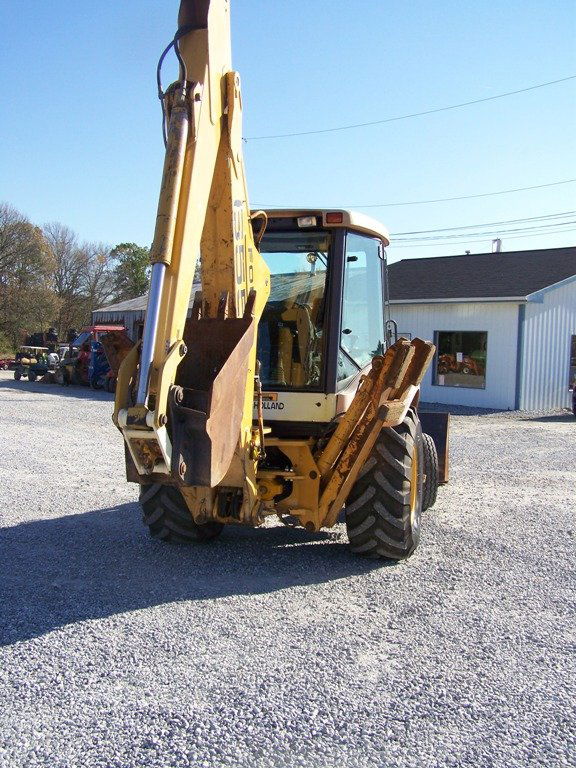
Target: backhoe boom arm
x: 203, y: 212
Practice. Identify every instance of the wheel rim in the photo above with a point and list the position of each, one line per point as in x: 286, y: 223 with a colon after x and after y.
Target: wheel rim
x: 414, y: 488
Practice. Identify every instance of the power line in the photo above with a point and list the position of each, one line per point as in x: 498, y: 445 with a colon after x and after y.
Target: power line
x: 465, y: 236
x: 481, y: 240
x: 413, y: 114
x: 437, y: 200
x: 486, y: 224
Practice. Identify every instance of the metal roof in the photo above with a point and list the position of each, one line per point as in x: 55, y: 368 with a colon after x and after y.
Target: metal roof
x: 513, y: 275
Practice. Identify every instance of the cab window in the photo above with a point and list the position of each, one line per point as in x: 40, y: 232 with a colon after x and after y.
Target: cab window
x: 290, y: 332
x: 362, y: 330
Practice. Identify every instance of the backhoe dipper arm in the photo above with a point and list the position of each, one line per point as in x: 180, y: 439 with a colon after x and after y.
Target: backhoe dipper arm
x: 184, y: 370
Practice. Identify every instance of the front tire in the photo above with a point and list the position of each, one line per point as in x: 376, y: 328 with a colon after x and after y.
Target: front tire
x: 431, y: 472
x: 384, y: 507
x: 168, y: 518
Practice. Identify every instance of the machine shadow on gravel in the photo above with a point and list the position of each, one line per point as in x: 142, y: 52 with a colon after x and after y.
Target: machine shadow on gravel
x: 557, y: 418
x: 93, y: 565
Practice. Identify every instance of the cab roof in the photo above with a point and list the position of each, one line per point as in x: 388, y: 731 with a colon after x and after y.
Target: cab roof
x: 350, y: 219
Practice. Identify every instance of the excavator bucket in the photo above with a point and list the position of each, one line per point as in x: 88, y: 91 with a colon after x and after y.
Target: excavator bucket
x: 206, y: 405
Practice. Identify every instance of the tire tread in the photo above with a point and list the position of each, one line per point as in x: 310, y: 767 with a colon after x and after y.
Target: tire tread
x: 377, y: 510
x: 168, y: 518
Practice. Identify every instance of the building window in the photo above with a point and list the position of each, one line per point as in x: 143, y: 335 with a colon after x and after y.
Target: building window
x: 572, y: 379
x: 460, y: 359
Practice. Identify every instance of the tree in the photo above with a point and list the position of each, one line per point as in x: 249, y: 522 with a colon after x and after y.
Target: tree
x: 82, y: 276
x: 26, y: 303
x: 131, y: 270
x: 97, y: 286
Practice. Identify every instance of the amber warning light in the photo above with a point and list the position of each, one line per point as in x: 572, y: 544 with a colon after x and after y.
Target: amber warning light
x: 334, y: 217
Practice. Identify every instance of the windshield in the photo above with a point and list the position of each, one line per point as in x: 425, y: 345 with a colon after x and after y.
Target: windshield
x: 81, y: 338
x: 290, y: 330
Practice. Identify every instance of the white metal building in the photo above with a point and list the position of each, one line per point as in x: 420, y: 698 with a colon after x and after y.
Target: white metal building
x: 504, y: 325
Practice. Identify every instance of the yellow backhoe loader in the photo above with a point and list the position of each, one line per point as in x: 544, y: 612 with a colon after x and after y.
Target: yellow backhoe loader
x: 282, y: 391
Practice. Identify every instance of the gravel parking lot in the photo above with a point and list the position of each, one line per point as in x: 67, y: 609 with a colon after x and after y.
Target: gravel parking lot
x: 274, y: 647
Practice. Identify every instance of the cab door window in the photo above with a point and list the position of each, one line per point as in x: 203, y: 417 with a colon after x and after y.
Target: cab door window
x: 290, y: 332
x: 362, y: 330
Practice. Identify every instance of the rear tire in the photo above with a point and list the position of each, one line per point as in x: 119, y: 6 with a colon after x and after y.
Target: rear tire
x: 31, y: 376
x: 168, y: 518
x: 17, y: 375
x: 431, y: 472
x: 384, y: 507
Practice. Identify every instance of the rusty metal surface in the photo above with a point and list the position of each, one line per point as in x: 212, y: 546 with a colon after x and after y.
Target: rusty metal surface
x: 116, y: 345
x: 392, y: 393
x: 207, y: 404
x: 194, y: 13
x: 437, y: 425
x: 148, y: 452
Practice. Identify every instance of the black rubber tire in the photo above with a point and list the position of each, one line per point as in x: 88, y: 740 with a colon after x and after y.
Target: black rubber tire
x: 168, y: 518
x: 382, y: 512
x: 17, y: 375
x: 31, y: 376
x: 431, y: 472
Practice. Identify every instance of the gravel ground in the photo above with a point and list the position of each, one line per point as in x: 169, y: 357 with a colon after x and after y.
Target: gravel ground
x: 276, y: 648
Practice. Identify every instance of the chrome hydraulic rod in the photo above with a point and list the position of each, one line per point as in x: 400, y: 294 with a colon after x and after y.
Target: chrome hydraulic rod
x: 150, y: 330
x: 161, y: 251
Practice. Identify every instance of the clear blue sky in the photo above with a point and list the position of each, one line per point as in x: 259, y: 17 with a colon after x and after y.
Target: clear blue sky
x: 80, y: 120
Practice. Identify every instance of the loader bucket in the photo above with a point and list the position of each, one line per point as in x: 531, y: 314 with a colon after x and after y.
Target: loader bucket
x: 116, y: 346
x: 207, y: 403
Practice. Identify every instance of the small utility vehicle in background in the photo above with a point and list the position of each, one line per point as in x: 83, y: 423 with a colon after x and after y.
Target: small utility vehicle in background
x: 31, y: 363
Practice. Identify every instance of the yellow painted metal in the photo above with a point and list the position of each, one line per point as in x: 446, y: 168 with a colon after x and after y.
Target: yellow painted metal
x: 321, y: 483
x: 395, y: 389
x: 354, y: 456
x: 125, y: 380
x: 369, y: 392
x: 346, y: 424
x: 302, y: 502
x: 163, y: 243
x: 414, y: 484
x: 203, y: 210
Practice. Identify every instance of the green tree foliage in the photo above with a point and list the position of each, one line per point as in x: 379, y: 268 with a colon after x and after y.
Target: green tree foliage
x: 7, y: 348
x: 49, y: 278
x: 26, y: 300
x: 131, y: 270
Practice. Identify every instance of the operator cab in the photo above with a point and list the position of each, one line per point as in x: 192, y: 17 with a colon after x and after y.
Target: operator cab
x: 326, y: 315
